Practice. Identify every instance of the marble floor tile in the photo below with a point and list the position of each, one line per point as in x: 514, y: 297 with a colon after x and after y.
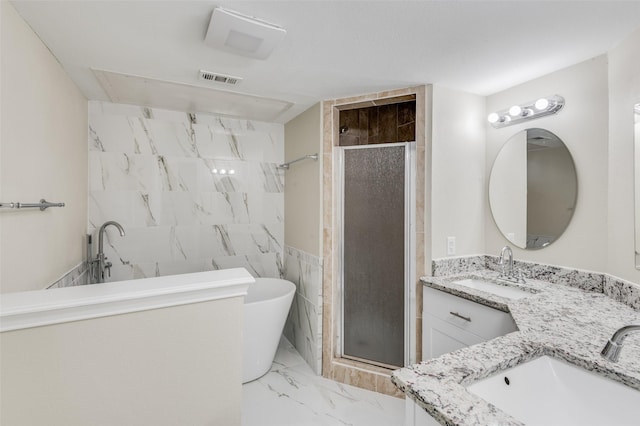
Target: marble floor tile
x: 291, y: 394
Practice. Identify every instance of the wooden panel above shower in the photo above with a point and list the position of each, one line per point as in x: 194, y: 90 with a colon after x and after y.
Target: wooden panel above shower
x: 390, y: 123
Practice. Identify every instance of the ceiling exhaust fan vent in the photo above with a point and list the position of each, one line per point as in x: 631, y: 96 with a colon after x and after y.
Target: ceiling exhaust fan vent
x: 219, y: 78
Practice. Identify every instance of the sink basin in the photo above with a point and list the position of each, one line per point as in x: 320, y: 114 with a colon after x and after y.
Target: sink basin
x: 546, y: 391
x: 497, y: 289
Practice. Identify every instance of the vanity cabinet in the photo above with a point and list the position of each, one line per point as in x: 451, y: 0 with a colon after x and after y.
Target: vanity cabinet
x: 450, y: 322
x: 415, y: 415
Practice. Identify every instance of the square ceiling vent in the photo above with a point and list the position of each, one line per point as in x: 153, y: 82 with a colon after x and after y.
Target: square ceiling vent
x: 243, y: 35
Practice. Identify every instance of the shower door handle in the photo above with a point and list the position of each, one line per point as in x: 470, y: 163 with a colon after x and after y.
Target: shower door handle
x: 455, y: 314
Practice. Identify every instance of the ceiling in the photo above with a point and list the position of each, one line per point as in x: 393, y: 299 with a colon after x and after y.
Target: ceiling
x: 332, y: 48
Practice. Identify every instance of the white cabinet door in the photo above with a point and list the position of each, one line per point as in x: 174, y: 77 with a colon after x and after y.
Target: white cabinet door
x: 417, y: 416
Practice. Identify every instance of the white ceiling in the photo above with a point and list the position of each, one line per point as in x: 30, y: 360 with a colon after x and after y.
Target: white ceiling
x: 333, y: 48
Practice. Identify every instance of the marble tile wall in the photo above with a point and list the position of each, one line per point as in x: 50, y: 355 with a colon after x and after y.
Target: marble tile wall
x: 76, y: 276
x: 194, y: 192
x: 304, y: 324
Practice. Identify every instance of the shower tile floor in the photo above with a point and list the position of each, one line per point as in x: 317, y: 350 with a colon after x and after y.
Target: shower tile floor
x: 291, y: 394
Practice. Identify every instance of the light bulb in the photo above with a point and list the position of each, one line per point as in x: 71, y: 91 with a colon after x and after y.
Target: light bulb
x: 232, y: 172
x: 541, y: 104
x: 493, y: 117
x: 223, y: 172
x: 527, y: 112
x: 515, y: 111
x: 214, y: 171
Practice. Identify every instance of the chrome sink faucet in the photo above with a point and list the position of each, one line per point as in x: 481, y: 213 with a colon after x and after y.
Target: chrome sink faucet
x: 611, y: 350
x: 100, y: 261
x: 508, y: 273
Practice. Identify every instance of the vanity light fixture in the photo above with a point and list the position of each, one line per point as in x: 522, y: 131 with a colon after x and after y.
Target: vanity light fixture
x: 526, y: 111
x: 515, y: 111
x: 541, y: 104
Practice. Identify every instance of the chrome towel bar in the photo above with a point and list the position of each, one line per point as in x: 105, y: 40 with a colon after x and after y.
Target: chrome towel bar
x: 286, y: 165
x: 42, y: 205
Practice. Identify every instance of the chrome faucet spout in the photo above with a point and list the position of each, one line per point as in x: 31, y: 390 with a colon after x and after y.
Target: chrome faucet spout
x: 102, y: 230
x: 101, y: 259
x: 506, y: 250
x: 508, y: 273
x: 611, y: 350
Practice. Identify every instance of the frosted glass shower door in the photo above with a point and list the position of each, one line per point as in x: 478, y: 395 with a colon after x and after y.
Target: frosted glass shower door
x: 374, y: 250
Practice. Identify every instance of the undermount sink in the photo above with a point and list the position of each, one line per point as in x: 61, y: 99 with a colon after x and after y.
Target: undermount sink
x: 546, y: 392
x: 490, y: 287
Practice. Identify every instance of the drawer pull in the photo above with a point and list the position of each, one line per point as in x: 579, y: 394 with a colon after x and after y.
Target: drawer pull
x: 455, y: 314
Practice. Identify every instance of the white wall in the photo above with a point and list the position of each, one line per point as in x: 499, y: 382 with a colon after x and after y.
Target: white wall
x: 458, y: 172
x: 303, y: 234
x: 624, y: 92
x: 43, y: 152
x: 303, y: 183
x: 583, y: 127
x: 170, y: 366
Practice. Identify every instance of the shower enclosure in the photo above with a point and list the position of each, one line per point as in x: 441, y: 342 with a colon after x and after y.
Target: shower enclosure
x: 377, y: 208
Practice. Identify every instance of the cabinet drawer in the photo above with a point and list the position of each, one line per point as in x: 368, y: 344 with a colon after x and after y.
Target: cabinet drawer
x: 440, y: 337
x: 470, y: 316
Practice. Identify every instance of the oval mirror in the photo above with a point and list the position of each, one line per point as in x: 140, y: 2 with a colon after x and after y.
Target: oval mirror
x: 533, y: 188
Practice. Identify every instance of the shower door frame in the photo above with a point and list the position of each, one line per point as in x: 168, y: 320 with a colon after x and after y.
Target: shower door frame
x: 409, y: 250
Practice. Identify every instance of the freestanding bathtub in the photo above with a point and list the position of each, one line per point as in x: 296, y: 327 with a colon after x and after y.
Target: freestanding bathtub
x: 266, y: 306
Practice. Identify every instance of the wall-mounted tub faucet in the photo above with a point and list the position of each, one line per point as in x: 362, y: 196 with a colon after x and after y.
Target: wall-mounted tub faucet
x: 100, y: 261
x: 611, y: 350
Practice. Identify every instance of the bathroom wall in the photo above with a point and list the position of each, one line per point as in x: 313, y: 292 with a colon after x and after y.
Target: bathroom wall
x: 583, y: 126
x: 304, y: 322
x: 624, y: 92
x: 194, y: 192
x: 179, y: 365
x: 43, y: 155
x: 303, y: 190
x: 458, y: 172
x: 303, y: 234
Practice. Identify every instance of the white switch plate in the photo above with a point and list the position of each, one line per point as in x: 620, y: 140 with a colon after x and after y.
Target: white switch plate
x: 451, y: 246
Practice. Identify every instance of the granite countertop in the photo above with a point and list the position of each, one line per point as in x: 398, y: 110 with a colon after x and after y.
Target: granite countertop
x: 563, y: 322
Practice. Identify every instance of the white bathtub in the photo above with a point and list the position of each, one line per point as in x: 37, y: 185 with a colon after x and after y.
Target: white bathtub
x: 266, y: 306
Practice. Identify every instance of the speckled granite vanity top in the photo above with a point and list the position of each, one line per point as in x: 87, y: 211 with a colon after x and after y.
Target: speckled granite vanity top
x: 557, y: 320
